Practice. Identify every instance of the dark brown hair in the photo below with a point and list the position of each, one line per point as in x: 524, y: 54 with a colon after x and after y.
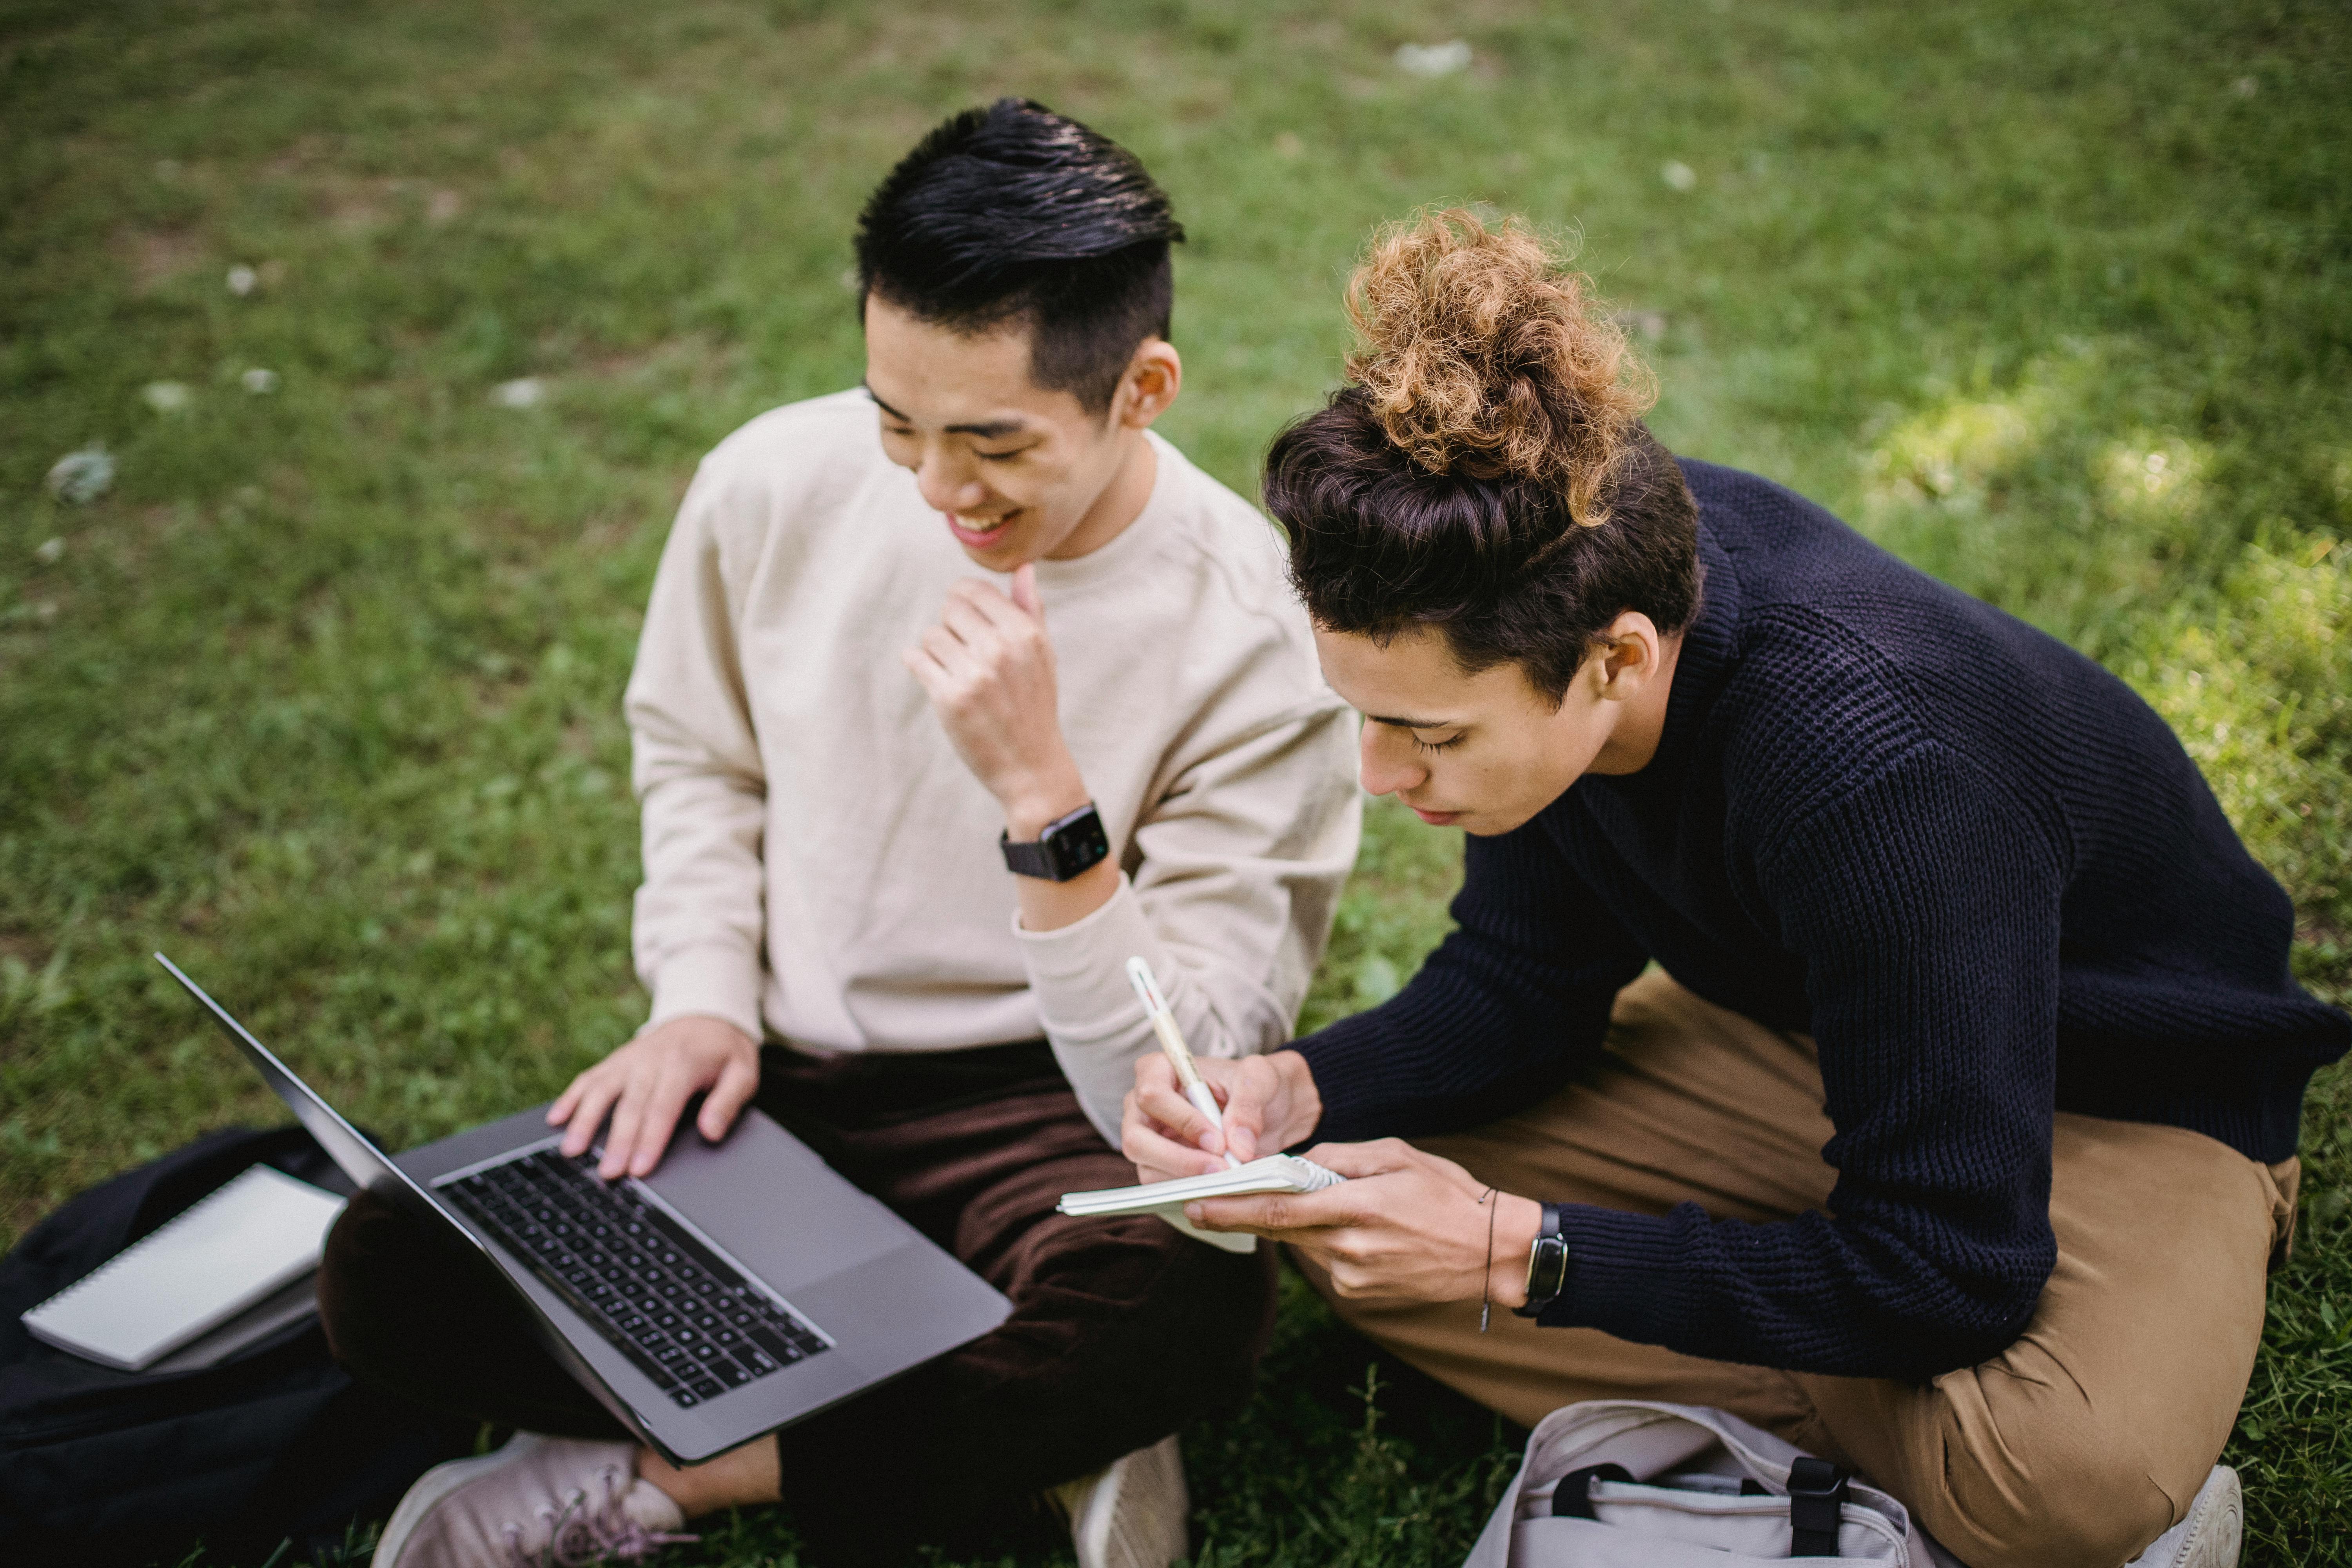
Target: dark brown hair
x: 1485, y: 470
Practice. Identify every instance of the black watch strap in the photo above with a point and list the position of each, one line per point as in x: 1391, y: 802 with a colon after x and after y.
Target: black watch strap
x: 1546, y: 1265
x: 1069, y: 845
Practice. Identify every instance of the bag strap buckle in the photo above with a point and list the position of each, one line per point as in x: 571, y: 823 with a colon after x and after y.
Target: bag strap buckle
x: 1817, y: 1494
x: 1572, y: 1498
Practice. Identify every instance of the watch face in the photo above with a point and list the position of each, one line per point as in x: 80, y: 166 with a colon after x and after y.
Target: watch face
x: 1547, y: 1268
x: 1077, y: 843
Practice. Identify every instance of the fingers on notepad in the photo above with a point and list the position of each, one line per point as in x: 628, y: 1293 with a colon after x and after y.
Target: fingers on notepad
x: 1280, y: 1212
x: 1363, y: 1159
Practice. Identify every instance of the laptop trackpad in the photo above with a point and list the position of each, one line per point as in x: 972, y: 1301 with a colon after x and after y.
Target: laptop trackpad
x: 766, y: 1197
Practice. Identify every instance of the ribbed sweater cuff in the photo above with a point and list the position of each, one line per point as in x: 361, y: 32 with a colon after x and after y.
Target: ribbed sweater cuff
x: 1353, y: 1091
x: 1079, y: 971
x: 718, y: 981
x: 1624, y: 1275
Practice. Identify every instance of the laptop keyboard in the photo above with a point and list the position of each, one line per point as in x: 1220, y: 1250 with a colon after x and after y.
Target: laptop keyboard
x: 686, y: 1318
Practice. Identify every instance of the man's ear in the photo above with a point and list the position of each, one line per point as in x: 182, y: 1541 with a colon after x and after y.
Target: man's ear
x: 1153, y: 378
x: 1636, y: 654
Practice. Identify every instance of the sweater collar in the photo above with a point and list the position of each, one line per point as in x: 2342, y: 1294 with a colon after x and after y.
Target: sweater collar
x: 1710, y: 648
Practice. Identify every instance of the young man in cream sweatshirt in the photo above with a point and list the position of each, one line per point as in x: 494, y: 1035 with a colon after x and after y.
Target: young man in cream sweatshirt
x: 904, y: 822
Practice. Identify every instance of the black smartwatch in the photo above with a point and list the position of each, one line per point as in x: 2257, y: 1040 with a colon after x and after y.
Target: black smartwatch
x: 1069, y: 846
x: 1546, y: 1265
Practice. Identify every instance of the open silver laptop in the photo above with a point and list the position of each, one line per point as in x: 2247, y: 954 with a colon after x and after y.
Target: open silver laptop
x: 740, y: 1287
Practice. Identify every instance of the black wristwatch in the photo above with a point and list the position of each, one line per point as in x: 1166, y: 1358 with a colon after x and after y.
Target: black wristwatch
x: 1546, y: 1265
x: 1069, y: 846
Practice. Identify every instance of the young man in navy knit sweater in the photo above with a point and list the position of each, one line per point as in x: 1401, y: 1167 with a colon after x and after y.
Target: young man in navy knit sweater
x: 1861, y: 1016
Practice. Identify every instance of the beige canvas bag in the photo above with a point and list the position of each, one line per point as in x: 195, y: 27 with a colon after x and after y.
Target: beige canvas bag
x: 1627, y: 1483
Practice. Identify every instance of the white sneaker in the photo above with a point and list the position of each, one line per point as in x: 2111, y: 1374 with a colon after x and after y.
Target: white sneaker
x: 2209, y: 1536
x: 538, y: 1502
x: 1133, y: 1514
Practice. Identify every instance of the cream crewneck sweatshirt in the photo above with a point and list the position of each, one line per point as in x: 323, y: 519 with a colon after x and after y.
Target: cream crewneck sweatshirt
x: 821, y: 869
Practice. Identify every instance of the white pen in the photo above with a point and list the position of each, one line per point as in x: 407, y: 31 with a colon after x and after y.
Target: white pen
x: 1171, y: 1045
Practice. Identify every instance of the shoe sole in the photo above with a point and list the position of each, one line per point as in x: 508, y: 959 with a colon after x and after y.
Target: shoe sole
x: 2216, y: 1523
x: 436, y: 1484
x: 1149, y: 1483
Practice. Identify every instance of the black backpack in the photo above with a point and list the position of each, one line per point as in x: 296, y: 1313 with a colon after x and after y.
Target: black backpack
x: 276, y: 1444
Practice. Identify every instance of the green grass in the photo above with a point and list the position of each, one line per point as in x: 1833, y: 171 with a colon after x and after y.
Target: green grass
x: 322, y: 697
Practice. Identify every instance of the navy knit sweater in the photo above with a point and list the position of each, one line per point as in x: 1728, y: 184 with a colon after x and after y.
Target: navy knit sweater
x: 1971, y: 863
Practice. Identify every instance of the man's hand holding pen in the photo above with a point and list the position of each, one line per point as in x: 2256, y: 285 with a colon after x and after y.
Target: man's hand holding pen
x: 1407, y: 1225
x: 1269, y: 1103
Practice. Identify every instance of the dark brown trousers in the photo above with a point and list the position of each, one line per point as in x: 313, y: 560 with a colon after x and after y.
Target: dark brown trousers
x: 1122, y: 1330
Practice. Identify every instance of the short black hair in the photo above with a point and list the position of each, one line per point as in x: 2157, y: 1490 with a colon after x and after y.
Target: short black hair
x: 1015, y: 213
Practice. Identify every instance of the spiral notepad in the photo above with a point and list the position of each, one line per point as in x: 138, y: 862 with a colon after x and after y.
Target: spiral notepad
x: 253, y: 1237
x: 1272, y: 1173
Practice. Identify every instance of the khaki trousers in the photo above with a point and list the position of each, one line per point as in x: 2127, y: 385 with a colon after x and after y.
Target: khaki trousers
x: 2077, y: 1446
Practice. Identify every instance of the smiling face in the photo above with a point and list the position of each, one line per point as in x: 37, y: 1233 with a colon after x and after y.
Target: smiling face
x: 1485, y: 752
x: 1017, y: 472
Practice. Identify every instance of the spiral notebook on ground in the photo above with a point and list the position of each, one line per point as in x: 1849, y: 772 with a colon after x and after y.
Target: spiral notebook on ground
x: 255, y: 1241
x: 1272, y: 1173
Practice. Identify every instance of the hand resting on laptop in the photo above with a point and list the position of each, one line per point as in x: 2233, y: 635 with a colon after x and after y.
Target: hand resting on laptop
x: 646, y: 1085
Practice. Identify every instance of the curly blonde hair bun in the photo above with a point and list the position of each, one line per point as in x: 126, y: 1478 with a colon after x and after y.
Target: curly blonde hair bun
x: 1490, y: 424
x: 1482, y: 354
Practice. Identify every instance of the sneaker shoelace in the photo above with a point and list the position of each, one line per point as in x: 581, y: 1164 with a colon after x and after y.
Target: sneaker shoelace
x: 578, y: 1534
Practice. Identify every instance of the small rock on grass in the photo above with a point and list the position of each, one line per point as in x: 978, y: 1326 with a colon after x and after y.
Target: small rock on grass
x: 167, y: 396
x: 258, y: 382
x: 1680, y: 175
x: 524, y: 392
x: 1434, y: 59
x: 241, y: 279
x: 81, y: 477
x: 49, y: 551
